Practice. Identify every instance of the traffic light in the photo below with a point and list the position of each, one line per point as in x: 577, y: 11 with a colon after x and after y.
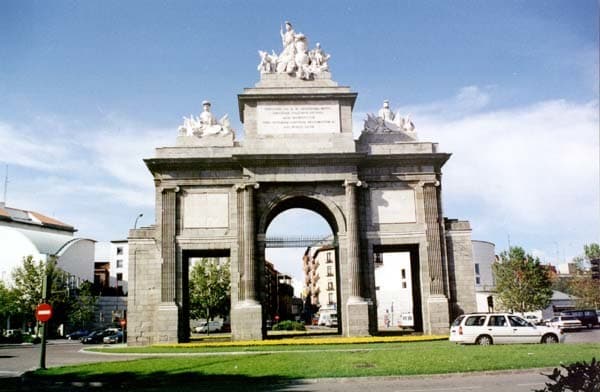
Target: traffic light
x: 595, y: 268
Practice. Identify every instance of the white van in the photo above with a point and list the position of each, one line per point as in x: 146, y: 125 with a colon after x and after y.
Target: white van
x: 328, y: 319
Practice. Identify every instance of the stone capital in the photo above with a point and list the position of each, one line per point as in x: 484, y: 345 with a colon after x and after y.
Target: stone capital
x: 243, y: 186
x: 175, y: 189
x: 356, y: 183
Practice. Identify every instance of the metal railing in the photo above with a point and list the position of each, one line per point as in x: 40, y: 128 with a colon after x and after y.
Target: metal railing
x: 300, y: 241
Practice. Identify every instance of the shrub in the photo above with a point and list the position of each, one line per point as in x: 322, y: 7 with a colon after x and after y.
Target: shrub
x: 32, y: 339
x: 580, y: 377
x: 288, y: 325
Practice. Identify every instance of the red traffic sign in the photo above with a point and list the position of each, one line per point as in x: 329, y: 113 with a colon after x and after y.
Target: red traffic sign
x: 123, y: 322
x: 43, y: 312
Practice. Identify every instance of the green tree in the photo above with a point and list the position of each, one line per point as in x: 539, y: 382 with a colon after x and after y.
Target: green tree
x: 522, y: 283
x: 28, y: 280
x: 210, y: 286
x: 82, y: 307
x: 7, y: 305
x: 591, y: 251
x: 583, y: 286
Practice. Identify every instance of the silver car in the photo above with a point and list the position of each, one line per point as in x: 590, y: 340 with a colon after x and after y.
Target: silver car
x: 501, y: 328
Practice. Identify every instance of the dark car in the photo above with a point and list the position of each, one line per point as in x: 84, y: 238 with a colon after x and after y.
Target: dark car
x: 76, y: 335
x: 113, y: 337
x: 588, y: 317
x: 95, y: 337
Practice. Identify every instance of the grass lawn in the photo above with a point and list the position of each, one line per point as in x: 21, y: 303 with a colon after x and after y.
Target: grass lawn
x: 250, y: 370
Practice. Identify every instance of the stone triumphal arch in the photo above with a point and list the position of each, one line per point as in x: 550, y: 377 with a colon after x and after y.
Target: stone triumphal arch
x: 217, y: 195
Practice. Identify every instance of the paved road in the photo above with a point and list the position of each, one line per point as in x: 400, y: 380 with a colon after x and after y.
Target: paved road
x: 16, y: 359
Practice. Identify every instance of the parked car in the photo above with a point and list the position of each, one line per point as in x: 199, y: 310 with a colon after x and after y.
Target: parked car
x: 116, y: 337
x: 211, y: 326
x: 12, y: 332
x: 98, y: 335
x: 564, y: 322
x: 76, y: 335
x: 533, y: 319
x: 500, y: 328
x: 588, y: 317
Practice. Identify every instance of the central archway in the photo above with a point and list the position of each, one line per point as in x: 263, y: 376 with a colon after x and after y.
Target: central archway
x: 315, y: 295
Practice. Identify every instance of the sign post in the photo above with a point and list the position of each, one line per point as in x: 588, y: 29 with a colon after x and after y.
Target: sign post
x: 43, y: 313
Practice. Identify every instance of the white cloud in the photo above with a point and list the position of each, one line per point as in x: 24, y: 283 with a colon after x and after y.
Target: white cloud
x: 121, y: 152
x: 105, y: 162
x: 530, y: 163
x: 25, y: 146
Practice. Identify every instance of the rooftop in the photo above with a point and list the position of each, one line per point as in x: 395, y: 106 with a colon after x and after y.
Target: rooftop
x: 32, y: 218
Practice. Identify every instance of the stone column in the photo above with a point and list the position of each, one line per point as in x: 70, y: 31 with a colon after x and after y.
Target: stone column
x: 353, y: 241
x: 357, y: 309
x: 167, y: 317
x: 437, y: 302
x: 168, y: 232
x: 246, y: 315
x: 434, y: 245
x: 249, y: 245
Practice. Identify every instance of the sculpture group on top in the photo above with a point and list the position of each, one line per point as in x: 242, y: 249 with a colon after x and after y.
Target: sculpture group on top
x: 206, y: 124
x: 388, y: 121
x: 295, y: 58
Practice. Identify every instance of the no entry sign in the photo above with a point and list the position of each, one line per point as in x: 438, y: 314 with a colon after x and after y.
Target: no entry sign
x: 43, y: 312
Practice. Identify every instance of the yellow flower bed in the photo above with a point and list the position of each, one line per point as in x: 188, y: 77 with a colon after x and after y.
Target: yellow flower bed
x: 310, y: 341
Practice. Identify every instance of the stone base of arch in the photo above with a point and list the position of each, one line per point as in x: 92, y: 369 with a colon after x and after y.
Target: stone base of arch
x: 357, y: 318
x: 167, y: 323
x: 439, y: 317
x: 246, y: 322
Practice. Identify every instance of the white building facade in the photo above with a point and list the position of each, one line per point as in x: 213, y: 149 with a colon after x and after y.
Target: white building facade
x: 111, y: 263
x: 27, y: 233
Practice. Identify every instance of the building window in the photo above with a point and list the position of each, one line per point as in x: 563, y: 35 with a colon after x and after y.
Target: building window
x: 403, y: 273
x: 120, y: 277
x: 329, y: 260
x: 403, y: 285
x: 119, y: 263
x: 329, y: 285
x: 329, y: 270
x: 477, y: 280
x: 119, y: 250
x: 476, y: 269
x: 331, y: 298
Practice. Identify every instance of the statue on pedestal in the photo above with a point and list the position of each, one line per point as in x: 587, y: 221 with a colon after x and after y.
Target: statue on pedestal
x: 388, y: 121
x: 295, y: 58
x: 206, y: 124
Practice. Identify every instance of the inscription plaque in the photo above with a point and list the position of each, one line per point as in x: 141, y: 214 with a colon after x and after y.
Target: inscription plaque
x: 206, y: 210
x: 295, y: 117
x: 393, y: 206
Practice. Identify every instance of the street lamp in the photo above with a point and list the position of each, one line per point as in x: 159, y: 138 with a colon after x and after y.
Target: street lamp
x: 136, y: 220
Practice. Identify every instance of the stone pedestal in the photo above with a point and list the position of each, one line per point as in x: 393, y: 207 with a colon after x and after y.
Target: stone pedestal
x: 246, y: 322
x: 439, y: 322
x: 166, y: 323
x: 357, y: 318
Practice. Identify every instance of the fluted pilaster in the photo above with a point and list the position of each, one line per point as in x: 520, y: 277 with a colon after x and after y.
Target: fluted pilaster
x: 248, y: 236
x: 434, y: 246
x: 353, y: 240
x: 169, y: 205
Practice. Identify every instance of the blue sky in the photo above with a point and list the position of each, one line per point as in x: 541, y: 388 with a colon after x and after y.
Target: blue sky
x: 88, y: 89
